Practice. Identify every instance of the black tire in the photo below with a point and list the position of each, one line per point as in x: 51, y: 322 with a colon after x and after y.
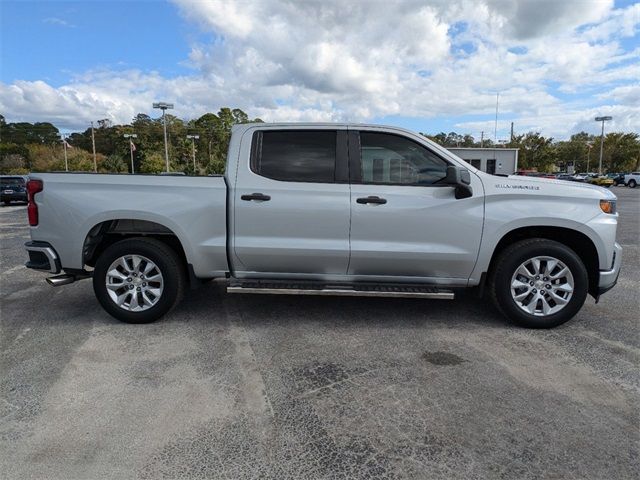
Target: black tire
x: 168, y: 263
x: 632, y: 184
x: 515, y: 255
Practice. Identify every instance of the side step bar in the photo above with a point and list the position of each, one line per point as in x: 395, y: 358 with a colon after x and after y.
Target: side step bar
x: 404, y: 291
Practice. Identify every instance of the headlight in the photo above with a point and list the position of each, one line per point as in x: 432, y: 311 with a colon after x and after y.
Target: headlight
x: 608, y: 206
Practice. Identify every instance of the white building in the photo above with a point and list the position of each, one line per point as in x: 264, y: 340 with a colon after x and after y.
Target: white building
x: 500, y: 161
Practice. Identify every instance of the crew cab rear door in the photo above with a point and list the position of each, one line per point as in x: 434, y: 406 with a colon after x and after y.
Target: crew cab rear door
x: 405, y: 221
x: 291, y: 204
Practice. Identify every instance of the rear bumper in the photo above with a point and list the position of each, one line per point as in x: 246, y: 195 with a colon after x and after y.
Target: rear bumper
x: 42, y: 256
x: 609, y: 278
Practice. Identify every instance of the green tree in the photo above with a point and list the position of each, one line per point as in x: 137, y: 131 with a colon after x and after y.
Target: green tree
x: 536, y: 151
x: 621, y: 152
x: 114, y: 164
x: 154, y: 162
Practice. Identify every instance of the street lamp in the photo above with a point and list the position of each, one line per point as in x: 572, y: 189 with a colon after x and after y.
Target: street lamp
x: 193, y: 149
x: 602, y: 119
x: 132, y: 147
x: 164, y: 107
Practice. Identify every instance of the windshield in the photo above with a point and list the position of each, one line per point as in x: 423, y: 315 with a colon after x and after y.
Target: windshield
x: 12, y: 182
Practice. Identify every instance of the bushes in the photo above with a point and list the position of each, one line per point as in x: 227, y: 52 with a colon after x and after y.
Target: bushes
x: 153, y: 163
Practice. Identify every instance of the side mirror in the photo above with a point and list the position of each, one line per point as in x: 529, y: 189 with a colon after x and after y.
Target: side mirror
x: 460, y: 178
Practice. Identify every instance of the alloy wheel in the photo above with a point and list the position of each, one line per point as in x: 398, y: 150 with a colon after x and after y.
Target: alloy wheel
x: 542, y: 286
x: 134, y: 283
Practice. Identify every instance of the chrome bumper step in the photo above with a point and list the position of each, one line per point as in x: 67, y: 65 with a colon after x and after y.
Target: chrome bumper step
x: 403, y: 291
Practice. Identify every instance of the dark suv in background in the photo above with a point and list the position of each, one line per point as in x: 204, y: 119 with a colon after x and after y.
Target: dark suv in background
x: 13, y: 189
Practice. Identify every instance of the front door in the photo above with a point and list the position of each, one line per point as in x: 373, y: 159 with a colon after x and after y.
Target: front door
x: 404, y: 221
x: 291, y: 204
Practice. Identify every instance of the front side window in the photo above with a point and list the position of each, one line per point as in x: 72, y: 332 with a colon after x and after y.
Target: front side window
x: 392, y: 159
x: 296, y: 155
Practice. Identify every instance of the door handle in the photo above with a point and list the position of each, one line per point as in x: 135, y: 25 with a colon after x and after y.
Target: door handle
x: 256, y: 196
x: 372, y: 199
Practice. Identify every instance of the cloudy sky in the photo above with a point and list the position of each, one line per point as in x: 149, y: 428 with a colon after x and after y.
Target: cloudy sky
x: 427, y: 65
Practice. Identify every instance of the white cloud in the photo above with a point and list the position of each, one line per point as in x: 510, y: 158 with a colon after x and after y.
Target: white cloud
x: 560, y: 123
x: 555, y: 64
x: 622, y: 22
x: 57, y: 21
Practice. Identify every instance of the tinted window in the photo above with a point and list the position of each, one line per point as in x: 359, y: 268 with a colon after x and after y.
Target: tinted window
x: 393, y: 159
x: 17, y: 181
x: 297, y: 156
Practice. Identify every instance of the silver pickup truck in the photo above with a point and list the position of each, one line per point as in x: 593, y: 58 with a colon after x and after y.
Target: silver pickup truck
x: 328, y: 209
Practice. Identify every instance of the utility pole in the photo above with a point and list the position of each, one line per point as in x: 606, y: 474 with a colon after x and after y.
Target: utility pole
x: 495, y: 130
x: 193, y: 149
x: 63, y: 136
x: 482, y: 139
x: 602, y: 119
x: 93, y: 142
x: 164, y: 106
x: 589, y: 147
x: 132, y: 147
x: 511, y: 138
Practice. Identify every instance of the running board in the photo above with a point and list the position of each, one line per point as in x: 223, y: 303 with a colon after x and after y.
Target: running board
x: 403, y: 291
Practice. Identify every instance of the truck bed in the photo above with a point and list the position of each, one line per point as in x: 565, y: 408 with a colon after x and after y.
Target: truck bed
x: 193, y: 208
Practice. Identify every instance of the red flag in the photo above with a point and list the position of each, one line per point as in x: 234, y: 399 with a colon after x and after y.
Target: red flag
x: 66, y: 144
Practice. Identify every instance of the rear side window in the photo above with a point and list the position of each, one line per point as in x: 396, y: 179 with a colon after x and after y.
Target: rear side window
x: 295, y: 155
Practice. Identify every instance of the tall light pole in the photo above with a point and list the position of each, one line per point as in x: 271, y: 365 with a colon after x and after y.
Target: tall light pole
x: 589, y: 147
x: 93, y: 142
x: 193, y: 149
x: 131, y: 147
x: 602, y: 119
x: 63, y: 136
x: 164, y: 107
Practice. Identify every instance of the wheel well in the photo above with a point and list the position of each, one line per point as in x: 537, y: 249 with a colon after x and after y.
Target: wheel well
x: 576, y: 241
x: 107, y: 233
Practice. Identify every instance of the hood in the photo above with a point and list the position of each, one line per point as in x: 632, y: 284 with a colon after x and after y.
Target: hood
x: 545, y: 186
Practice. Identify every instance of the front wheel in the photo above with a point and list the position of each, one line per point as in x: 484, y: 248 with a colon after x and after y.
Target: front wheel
x: 539, y: 283
x: 632, y: 183
x: 138, y: 280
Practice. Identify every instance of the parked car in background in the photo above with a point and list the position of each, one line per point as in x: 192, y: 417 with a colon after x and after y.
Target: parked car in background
x: 618, y: 179
x: 13, y: 189
x: 600, y: 180
x: 568, y: 177
x: 533, y: 173
x: 632, y: 179
x: 580, y: 177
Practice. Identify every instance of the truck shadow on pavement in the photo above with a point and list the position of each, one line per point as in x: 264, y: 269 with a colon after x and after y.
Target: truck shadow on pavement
x: 467, y: 309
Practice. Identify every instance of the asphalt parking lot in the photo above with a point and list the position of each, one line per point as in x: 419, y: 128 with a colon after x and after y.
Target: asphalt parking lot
x: 306, y: 387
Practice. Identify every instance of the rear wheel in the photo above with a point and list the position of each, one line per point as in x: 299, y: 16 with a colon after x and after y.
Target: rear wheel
x: 539, y: 283
x: 138, y: 280
x: 632, y: 183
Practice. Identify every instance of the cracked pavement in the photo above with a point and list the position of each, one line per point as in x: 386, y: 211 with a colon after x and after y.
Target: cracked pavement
x: 285, y: 387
